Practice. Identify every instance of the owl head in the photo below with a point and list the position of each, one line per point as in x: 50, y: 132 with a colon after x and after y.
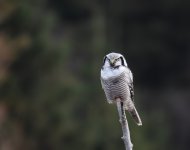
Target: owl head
x: 114, y: 60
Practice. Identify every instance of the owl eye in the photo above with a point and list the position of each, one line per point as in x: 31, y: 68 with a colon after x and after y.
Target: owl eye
x: 117, y: 59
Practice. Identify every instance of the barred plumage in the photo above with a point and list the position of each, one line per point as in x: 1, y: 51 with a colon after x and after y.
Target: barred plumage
x: 117, y: 82
x: 117, y: 87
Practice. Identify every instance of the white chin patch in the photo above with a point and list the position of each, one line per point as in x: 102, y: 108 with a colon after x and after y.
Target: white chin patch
x: 108, y: 72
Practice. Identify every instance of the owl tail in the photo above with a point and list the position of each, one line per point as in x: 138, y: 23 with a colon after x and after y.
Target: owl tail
x: 135, y: 116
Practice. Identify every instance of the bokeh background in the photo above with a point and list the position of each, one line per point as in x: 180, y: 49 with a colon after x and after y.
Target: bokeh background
x: 51, y: 52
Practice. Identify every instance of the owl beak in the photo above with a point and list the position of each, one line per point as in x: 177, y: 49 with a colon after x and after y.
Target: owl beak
x: 112, y: 63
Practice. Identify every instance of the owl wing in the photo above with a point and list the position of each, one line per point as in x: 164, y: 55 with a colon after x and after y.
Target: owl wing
x: 131, y: 86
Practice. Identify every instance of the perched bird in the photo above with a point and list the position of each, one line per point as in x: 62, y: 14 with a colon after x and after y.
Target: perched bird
x: 117, y: 83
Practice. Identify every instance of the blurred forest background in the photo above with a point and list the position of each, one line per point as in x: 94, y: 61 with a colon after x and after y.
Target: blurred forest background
x: 51, y: 52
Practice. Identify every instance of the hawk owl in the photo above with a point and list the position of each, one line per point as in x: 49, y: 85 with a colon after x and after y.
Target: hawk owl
x: 117, y: 83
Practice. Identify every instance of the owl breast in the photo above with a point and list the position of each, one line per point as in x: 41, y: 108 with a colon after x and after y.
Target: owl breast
x: 116, y: 87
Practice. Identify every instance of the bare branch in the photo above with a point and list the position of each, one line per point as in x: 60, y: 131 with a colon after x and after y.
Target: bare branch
x: 124, y: 124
